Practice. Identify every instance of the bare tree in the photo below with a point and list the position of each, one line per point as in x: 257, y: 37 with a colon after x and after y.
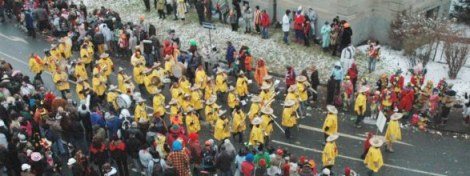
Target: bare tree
x: 456, y: 55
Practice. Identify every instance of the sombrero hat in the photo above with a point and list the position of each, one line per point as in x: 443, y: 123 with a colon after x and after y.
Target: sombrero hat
x: 148, y: 70
x: 104, y: 55
x: 221, y: 112
x: 195, y: 87
x: 267, y: 110
x: 255, y: 99
x: 158, y: 91
x: 376, y: 141
x: 220, y: 70
x: 396, y: 116
x: 211, y: 100
x: 173, y: 101
x: 265, y: 86
x: 256, y: 121
x: 292, y: 88
x: 289, y: 103
x: 127, y: 78
x: 231, y: 88
x: 241, y: 72
x: 120, y: 69
x: 332, y: 109
x: 140, y: 100
x: 112, y: 87
x: 301, y: 78
x: 332, y: 137
x: 363, y: 89
x: 267, y: 77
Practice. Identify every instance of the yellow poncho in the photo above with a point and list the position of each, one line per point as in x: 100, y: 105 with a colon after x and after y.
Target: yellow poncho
x: 256, y: 135
x: 254, y: 109
x: 99, y: 84
x: 61, y: 81
x: 238, y: 124
x: 330, y: 152
x: 267, y: 125
x: 232, y: 100
x: 242, y: 86
x: 196, y: 101
x: 158, y: 103
x: 111, y: 99
x: 301, y: 91
x: 139, y: 74
x: 140, y: 113
x: 361, y: 101
x: 80, y: 90
x: 221, y: 83
x: 192, y: 123
x: 80, y: 71
x: 107, y: 65
x: 36, y: 65
x: 373, y: 157
x: 331, y: 122
x: 201, y: 78
x: 393, y: 132
x: 221, y: 130
x: 288, y: 119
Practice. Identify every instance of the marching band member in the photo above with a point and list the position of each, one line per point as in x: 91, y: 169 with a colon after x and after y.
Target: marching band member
x: 255, y: 107
x: 138, y: 73
x: 158, y: 102
x: 221, y: 83
x: 82, y: 89
x: 374, y: 160
x: 120, y: 79
x: 265, y: 94
x: 267, y: 124
x: 238, y: 124
x: 292, y: 95
x: 185, y: 85
x: 137, y: 58
x: 36, y: 65
x: 201, y: 76
x: 64, y: 49
x: 169, y: 63
x: 159, y: 73
x: 211, y: 109
x: 232, y: 99
x: 80, y: 70
x: 289, y: 117
x: 210, y: 88
x: 174, y: 108
x: 302, y: 93
x: 99, y: 85
x: 55, y: 52
x: 242, y: 85
x: 86, y: 53
x: 330, y: 151
x: 222, y: 127
x: 113, y: 93
x: 192, y: 122
x: 330, y: 126
x: 150, y: 81
x: 196, y: 99
x: 129, y: 87
x: 106, y: 63
x: 176, y: 92
x: 393, y: 132
x: 361, y: 105
x: 140, y: 114
x: 186, y: 103
x: 50, y: 61
x: 60, y: 79
x: 257, y: 133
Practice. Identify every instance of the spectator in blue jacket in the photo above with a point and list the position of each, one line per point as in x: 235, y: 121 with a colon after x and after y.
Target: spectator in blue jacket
x: 338, y: 75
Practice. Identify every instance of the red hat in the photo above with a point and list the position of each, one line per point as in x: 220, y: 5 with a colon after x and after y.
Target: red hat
x: 302, y: 159
x: 347, y: 171
x: 262, y: 162
x: 279, y: 152
x: 193, y: 136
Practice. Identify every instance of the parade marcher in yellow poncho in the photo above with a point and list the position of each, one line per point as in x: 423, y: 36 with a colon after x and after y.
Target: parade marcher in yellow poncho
x: 186, y: 103
x: 80, y: 70
x: 129, y: 87
x: 209, y: 91
x: 64, y: 49
x: 238, y: 124
x: 158, y: 103
x: 176, y: 92
x: 221, y: 128
x: 99, y: 84
x: 242, y: 86
x: 211, y: 110
x: 192, y: 121
x: 139, y: 74
x: 111, y: 96
x: 151, y: 81
x: 55, y: 52
x: 175, y: 109
x: 330, y: 151
x: 86, y: 53
x: 82, y: 89
x: 185, y: 85
x: 201, y: 77
x: 50, y: 61
x: 221, y: 83
x: 266, y: 95
x: 393, y: 132
x: 140, y: 112
x: 36, y: 65
x: 374, y: 160
x: 120, y: 79
x: 196, y: 99
x: 291, y: 95
x: 232, y: 99
x: 267, y: 124
x: 330, y: 126
x: 106, y: 64
x: 289, y: 117
x: 255, y: 107
x: 61, y: 81
x: 137, y: 58
x: 361, y: 105
x: 257, y: 133
x: 302, y: 93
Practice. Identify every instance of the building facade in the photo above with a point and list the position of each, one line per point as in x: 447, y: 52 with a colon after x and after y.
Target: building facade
x: 369, y: 19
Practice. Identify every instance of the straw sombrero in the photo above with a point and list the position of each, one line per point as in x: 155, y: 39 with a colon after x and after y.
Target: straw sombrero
x: 396, y: 116
x: 289, y: 103
x: 332, y: 109
x: 267, y: 110
x: 301, y: 78
x: 376, y: 141
x: 267, y: 77
x: 265, y: 86
x: 256, y: 121
x: 332, y: 137
x: 292, y: 88
x: 255, y: 99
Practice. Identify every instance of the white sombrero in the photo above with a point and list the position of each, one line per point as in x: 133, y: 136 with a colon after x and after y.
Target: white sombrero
x: 396, y: 116
x: 332, y: 137
x: 332, y: 109
x: 256, y: 121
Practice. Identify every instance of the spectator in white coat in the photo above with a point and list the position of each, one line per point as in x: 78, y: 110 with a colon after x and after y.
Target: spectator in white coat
x: 286, y: 26
x: 347, y: 56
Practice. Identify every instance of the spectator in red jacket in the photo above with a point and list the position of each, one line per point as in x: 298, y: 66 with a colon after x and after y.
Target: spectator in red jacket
x: 290, y: 77
x: 298, y: 27
x: 265, y: 22
x: 118, y: 152
x: 353, y: 73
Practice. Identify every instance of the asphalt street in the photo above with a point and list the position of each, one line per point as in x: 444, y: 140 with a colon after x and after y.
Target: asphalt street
x: 419, y: 153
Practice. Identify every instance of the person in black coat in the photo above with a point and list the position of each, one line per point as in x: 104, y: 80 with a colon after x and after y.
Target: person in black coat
x: 200, y: 11
x: 315, y: 81
x: 132, y: 146
x: 84, y: 116
x: 346, y: 36
x: 330, y: 91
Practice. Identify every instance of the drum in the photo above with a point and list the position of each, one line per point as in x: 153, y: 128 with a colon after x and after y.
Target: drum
x: 178, y: 70
x: 123, y: 101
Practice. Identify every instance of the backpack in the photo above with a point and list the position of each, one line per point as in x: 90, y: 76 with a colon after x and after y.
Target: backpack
x: 157, y: 168
x: 208, y: 159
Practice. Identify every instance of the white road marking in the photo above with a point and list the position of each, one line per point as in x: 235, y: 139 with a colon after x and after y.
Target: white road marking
x: 358, y: 159
x: 13, y: 38
x: 346, y: 135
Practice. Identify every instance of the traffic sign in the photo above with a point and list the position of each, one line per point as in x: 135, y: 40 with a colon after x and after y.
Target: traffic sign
x: 208, y: 25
